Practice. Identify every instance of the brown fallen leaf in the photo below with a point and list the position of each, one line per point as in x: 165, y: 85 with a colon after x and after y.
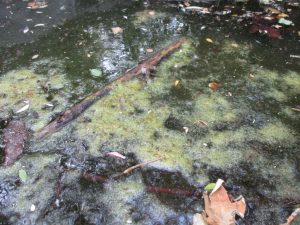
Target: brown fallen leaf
x: 219, y: 210
x: 117, y: 30
x: 214, y: 86
x: 14, y: 137
x: 37, y: 5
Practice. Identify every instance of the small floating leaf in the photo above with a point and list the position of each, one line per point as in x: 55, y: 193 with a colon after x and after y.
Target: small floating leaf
x: 35, y: 57
x: 210, y: 186
x: 95, y: 72
x: 22, y: 175
x: 209, y: 40
x: 149, y: 50
x: 214, y: 86
x: 176, y: 83
x: 282, y: 15
x: 24, y: 108
x: 117, y: 30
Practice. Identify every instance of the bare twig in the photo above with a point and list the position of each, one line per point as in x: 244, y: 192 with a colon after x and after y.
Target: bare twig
x: 130, y: 169
x: 292, y: 217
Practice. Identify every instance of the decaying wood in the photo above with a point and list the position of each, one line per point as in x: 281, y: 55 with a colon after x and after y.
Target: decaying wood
x: 142, y: 68
x: 14, y: 137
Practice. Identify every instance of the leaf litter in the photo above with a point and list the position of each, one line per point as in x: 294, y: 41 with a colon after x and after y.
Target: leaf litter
x: 219, y: 209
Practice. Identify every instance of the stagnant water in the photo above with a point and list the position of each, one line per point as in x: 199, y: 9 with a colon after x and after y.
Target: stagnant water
x: 245, y: 132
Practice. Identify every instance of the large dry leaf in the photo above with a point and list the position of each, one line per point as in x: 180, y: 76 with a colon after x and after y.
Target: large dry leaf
x: 14, y: 137
x: 219, y: 210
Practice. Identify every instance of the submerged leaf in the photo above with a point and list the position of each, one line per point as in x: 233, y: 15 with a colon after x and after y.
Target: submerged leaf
x: 22, y: 175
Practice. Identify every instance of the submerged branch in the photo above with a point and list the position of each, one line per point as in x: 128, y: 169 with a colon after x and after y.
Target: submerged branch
x: 73, y: 112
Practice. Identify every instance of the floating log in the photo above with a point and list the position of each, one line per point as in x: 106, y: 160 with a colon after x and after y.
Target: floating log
x: 142, y: 68
x: 14, y: 137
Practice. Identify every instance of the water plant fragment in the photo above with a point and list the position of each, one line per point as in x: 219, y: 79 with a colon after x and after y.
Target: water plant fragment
x: 22, y: 175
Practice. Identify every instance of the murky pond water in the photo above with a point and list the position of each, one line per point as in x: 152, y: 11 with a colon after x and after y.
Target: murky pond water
x: 245, y: 132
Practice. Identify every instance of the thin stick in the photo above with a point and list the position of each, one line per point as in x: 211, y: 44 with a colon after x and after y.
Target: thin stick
x: 130, y: 169
x: 296, y: 109
x: 292, y: 217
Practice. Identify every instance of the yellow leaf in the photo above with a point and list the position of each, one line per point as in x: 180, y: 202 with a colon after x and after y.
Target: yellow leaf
x: 176, y: 83
x: 234, y: 45
x: 298, y: 33
x: 273, y: 10
x: 209, y: 40
x: 282, y: 15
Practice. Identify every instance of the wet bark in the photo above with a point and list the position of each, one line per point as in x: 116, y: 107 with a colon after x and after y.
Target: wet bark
x: 142, y: 68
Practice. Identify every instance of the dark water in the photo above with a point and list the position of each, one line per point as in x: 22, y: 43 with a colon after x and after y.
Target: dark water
x: 249, y: 138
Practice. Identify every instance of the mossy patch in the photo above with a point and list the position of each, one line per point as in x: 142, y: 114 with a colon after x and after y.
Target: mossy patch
x: 116, y: 117
x: 276, y: 133
x: 24, y: 85
x: 39, y: 187
x: 213, y: 108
